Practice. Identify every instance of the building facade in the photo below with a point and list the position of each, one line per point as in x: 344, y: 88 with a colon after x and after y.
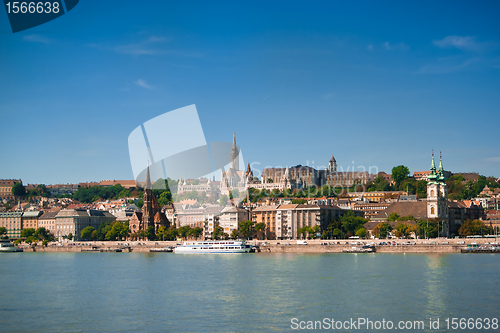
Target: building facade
x: 309, y: 176
x: 285, y: 182
x: 48, y: 221
x: 6, y: 188
x: 30, y: 219
x: 230, y: 217
x: 283, y: 221
x: 12, y: 221
x: 73, y: 221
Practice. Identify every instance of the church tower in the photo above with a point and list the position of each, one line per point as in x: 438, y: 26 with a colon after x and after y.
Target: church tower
x: 249, y: 175
x: 147, y: 208
x: 235, y: 155
x: 437, y: 193
x: 332, y: 165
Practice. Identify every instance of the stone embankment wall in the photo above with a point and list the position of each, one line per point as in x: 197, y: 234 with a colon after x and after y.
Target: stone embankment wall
x: 419, y: 248
x: 105, y: 246
x: 286, y: 246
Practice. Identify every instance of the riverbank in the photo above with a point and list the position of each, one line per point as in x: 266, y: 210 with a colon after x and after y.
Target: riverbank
x: 439, y: 245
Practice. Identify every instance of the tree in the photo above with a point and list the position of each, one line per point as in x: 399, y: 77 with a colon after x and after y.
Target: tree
x: 167, y: 233
x: 260, y: 228
x: 165, y: 198
x: 473, y: 228
x: 43, y: 234
x: 150, y: 233
x: 70, y: 236
x: 361, y: 233
x: 315, y: 231
x: 379, y: 184
x: 400, y: 173
x: 299, y: 201
x: 404, y: 230
x: 235, y: 234
x: 302, y: 232
x: 118, y: 231
x: 351, y: 223
x: 218, y: 232
x: 409, y: 185
x: 195, y: 232
x: 28, y: 232
x: 183, y: 231
x: 245, y: 228
x: 18, y: 190
x: 406, y: 218
x: 422, y: 188
x: 308, y: 232
x: 382, y: 230
x: 32, y: 240
x: 3, y: 231
x: 223, y: 200
x: 393, y: 217
x: 427, y: 229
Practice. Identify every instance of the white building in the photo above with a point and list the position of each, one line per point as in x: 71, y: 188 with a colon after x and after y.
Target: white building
x: 230, y: 218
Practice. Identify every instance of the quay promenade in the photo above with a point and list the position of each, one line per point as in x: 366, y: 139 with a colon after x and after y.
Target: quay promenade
x: 439, y: 245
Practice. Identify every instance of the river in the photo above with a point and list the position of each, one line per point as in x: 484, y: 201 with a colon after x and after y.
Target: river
x: 165, y: 292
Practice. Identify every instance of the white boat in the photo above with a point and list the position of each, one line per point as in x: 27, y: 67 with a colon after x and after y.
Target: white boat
x: 7, y: 246
x: 214, y: 247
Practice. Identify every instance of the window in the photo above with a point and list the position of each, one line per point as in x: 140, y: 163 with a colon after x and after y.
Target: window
x: 432, y: 210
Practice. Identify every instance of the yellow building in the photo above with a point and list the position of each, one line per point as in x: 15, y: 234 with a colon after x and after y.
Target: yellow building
x: 267, y: 215
x: 30, y: 219
x: 12, y: 221
x: 6, y: 188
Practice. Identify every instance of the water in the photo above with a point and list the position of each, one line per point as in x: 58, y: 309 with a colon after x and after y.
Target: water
x: 164, y: 292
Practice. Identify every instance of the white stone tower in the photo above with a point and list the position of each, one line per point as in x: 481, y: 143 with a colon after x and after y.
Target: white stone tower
x: 437, y: 193
x: 332, y: 165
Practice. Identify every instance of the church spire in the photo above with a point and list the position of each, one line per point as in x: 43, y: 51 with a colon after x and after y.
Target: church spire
x: 332, y: 165
x: 432, y: 176
x: 441, y: 177
x: 148, y: 178
x: 287, y: 173
x: 234, y: 155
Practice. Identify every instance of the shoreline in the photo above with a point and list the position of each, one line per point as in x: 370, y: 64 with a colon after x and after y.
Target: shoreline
x: 439, y: 245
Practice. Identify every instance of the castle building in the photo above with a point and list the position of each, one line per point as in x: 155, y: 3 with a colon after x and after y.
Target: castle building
x: 309, y: 176
x: 285, y: 182
x: 210, y: 187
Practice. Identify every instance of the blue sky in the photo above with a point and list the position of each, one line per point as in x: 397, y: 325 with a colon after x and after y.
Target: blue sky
x: 373, y: 83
